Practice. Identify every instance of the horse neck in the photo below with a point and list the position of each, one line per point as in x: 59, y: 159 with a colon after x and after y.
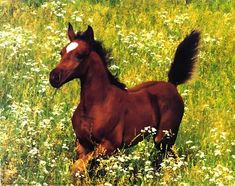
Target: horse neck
x: 95, y: 83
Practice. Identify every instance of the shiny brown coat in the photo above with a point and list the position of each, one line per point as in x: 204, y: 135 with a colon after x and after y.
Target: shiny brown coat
x: 109, y: 116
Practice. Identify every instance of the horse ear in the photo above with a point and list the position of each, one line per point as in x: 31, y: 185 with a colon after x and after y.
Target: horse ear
x: 89, y: 34
x: 71, y: 33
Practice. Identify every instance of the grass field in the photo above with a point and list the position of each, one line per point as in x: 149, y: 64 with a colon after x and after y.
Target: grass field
x: 36, y: 135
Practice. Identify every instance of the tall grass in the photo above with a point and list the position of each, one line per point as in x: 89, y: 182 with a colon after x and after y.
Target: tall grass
x: 36, y: 135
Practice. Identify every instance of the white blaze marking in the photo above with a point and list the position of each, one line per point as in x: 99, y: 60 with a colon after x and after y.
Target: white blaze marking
x: 71, y: 46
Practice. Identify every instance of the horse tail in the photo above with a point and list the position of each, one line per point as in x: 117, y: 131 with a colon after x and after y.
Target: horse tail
x: 185, y: 58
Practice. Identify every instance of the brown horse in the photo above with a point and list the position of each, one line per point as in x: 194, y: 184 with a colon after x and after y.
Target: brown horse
x: 110, y: 116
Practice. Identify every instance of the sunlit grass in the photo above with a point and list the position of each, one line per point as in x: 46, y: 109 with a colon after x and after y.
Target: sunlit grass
x: 36, y: 135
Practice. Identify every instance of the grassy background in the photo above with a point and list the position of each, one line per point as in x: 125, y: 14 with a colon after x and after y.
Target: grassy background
x: 36, y: 135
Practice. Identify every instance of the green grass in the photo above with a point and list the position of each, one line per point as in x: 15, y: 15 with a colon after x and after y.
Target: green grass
x: 36, y: 135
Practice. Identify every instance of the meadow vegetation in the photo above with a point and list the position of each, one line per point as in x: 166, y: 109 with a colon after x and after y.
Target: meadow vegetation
x: 36, y: 135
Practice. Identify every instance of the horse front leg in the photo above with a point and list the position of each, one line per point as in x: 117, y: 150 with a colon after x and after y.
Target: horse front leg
x: 107, y: 146
x: 102, y: 149
x: 82, y: 150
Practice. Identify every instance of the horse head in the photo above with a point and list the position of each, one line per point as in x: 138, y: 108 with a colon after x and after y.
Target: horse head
x: 74, y: 57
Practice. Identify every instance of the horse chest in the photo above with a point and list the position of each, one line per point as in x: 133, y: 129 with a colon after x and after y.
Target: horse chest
x: 89, y: 127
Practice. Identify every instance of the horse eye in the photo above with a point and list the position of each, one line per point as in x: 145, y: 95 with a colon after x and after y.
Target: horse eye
x: 81, y: 56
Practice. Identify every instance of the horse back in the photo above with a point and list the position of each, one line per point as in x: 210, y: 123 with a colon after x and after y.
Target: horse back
x: 165, y: 93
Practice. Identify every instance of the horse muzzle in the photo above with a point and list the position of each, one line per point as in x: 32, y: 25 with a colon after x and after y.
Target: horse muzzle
x: 55, y: 78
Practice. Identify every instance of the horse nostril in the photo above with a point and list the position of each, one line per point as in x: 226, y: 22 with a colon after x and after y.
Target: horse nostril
x: 55, y: 78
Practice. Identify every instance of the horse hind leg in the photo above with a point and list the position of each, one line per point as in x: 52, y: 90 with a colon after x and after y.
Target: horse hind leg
x: 164, y: 140
x: 166, y: 135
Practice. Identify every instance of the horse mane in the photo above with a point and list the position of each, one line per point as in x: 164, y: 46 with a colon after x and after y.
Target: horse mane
x: 107, y: 61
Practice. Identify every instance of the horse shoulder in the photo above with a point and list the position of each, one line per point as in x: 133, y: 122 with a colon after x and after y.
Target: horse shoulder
x: 108, y: 114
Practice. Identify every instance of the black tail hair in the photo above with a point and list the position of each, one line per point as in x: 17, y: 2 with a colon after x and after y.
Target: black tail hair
x: 185, y: 58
